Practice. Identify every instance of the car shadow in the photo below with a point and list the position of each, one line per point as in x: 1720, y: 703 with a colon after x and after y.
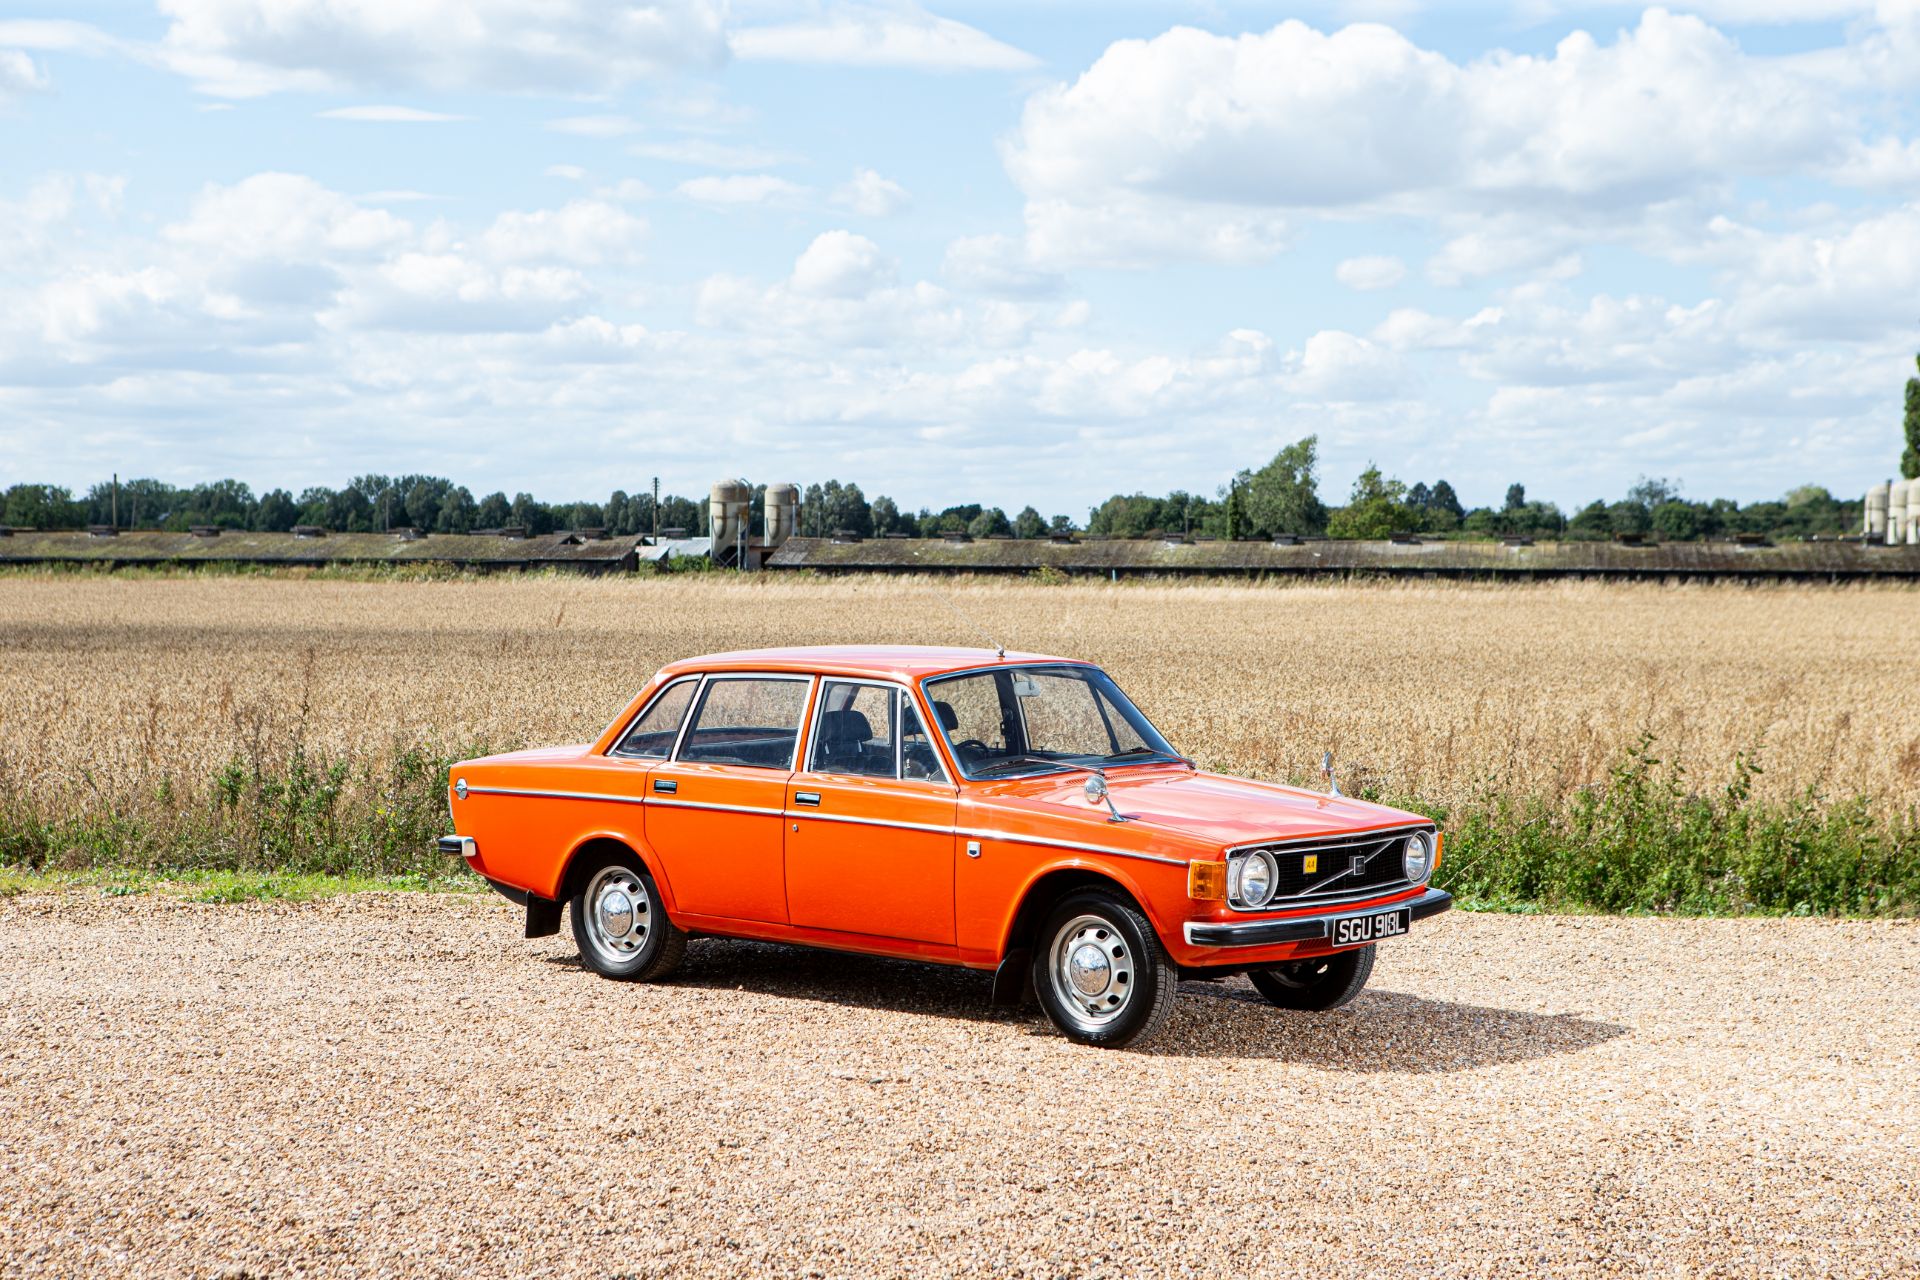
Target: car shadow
x: 1381, y: 1031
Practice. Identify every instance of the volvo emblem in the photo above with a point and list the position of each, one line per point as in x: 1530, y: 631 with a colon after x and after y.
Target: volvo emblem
x: 1359, y: 863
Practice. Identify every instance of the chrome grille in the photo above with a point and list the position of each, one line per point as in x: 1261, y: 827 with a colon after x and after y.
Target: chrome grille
x: 1364, y: 864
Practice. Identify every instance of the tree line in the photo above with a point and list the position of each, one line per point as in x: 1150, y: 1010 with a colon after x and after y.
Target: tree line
x: 1281, y: 497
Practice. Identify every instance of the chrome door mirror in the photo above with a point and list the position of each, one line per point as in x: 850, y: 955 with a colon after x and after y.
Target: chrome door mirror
x: 1096, y: 793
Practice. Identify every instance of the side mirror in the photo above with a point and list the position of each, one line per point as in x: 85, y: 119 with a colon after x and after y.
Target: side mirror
x: 1096, y: 792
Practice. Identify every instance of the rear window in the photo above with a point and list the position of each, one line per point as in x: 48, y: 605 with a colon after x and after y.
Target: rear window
x: 652, y: 735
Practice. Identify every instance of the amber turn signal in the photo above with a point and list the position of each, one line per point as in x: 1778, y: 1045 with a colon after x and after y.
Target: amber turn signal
x: 1206, y: 880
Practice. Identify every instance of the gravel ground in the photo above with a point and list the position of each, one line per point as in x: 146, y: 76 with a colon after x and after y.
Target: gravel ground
x: 398, y: 1085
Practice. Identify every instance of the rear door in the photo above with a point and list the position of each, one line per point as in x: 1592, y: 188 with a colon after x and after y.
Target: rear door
x: 714, y: 809
x: 870, y: 842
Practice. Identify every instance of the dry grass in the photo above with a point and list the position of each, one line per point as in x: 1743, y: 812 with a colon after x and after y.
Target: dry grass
x: 115, y: 691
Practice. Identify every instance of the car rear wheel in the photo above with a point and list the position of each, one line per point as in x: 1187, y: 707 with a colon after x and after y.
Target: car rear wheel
x: 1100, y: 972
x: 1319, y: 984
x: 622, y: 929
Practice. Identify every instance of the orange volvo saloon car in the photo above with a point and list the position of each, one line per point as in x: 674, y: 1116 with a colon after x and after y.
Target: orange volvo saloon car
x: 1005, y: 812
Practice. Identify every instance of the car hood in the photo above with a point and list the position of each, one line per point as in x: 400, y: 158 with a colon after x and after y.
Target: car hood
x: 1213, y: 808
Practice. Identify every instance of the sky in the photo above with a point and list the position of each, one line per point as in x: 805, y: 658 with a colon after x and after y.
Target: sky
x: 1022, y: 252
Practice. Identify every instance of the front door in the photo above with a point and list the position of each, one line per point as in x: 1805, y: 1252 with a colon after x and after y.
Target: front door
x: 870, y: 840
x: 714, y: 809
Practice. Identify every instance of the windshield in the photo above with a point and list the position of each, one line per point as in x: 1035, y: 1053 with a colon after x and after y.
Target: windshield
x: 1013, y: 722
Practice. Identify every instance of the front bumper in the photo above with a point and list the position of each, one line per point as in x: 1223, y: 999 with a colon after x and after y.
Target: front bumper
x: 1266, y: 933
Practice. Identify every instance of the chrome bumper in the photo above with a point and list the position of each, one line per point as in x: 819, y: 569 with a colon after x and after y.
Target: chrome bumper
x: 459, y: 846
x: 1262, y: 933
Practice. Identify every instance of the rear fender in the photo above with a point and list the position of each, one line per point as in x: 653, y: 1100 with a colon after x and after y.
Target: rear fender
x: 563, y: 885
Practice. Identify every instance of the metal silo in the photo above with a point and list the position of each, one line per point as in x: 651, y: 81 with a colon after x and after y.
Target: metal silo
x: 782, y: 513
x: 1876, y: 518
x: 1897, y: 513
x: 727, y: 506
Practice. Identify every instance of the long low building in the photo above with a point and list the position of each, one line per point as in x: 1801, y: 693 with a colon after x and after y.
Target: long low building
x: 1808, y: 561
x: 573, y: 551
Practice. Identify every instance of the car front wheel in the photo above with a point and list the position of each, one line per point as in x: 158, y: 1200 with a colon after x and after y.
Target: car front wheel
x: 1100, y: 972
x: 622, y: 929
x: 1319, y: 984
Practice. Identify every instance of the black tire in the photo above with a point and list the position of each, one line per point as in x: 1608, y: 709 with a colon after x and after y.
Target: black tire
x: 650, y: 947
x: 1319, y: 984
x: 1117, y: 945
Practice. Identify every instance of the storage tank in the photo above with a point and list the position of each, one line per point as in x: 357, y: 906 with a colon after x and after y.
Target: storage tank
x: 1896, y: 513
x: 727, y: 507
x: 782, y: 513
x: 1876, y: 530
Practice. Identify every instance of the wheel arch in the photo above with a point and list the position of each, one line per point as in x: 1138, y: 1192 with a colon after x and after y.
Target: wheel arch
x: 1053, y: 883
x: 587, y: 850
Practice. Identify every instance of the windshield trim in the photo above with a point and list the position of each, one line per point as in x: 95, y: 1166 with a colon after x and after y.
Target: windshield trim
x: 1170, y: 756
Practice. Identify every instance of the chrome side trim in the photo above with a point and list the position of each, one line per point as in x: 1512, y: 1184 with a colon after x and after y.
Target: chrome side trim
x: 554, y: 795
x: 1073, y: 844
x: 658, y: 803
x: 814, y: 815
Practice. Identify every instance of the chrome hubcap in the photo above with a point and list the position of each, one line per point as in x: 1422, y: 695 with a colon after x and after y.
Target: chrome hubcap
x: 1092, y: 970
x: 619, y: 913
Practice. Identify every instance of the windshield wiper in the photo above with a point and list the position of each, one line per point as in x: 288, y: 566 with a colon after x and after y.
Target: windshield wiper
x: 1002, y: 763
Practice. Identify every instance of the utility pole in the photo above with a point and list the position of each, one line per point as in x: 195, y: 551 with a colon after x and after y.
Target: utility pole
x: 115, y: 516
x: 656, y: 510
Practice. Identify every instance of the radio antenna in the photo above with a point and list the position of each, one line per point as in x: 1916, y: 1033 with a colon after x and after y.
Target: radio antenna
x: 999, y: 649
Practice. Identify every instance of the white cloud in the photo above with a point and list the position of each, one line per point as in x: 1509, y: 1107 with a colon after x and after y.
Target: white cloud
x: 243, y: 48
x: 285, y: 217
x: 1371, y: 272
x: 19, y: 75
x: 740, y: 188
x: 607, y: 126
x: 1338, y: 366
x: 390, y: 115
x: 999, y: 265
x: 707, y: 154
x: 862, y: 36
x: 840, y: 264
x: 582, y: 232
x: 1222, y: 132
x: 872, y: 196
x: 570, y: 172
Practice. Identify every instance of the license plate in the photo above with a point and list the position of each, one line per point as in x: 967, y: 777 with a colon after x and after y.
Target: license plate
x: 1351, y: 930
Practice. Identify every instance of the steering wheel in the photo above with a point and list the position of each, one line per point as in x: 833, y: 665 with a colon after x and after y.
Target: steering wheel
x: 971, y: 747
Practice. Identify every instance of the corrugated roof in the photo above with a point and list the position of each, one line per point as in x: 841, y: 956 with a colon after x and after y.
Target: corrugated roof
x: 1445, y: 559
x: 242, y: 546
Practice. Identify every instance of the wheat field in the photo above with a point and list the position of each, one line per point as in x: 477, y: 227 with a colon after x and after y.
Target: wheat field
x: 127, y: 691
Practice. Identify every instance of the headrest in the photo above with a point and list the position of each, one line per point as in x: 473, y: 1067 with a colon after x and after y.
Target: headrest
x: 949, y: 718
x: 843, y: 727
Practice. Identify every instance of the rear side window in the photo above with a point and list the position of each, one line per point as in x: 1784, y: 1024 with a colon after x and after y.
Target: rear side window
x: 652, y: 735
x: 750, y: 721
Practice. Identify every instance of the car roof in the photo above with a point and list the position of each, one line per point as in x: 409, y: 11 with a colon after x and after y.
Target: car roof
x: 896, y: 662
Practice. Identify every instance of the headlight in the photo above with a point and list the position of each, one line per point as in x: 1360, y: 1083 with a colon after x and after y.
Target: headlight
x: 1253, y: 879
x: 1418, y: 858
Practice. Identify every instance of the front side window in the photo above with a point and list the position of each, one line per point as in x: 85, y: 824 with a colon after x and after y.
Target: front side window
x: 918, y: 759
x: 748, y: 721
x: 652, y: 735
x: 856, y: 730
x: 1017, y: 721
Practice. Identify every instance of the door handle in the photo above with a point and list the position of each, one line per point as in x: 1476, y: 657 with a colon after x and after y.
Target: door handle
x: 665, y: 786
x: 809, y: 798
